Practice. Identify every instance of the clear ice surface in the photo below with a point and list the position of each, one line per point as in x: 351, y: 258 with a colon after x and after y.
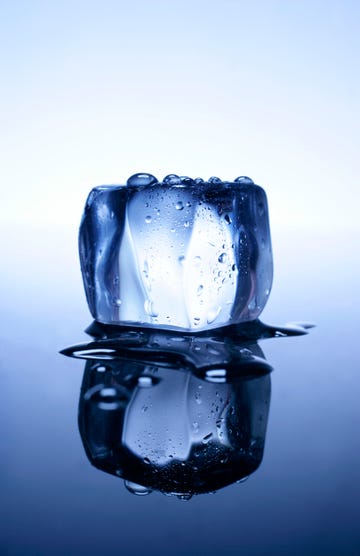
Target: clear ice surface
x: 179, y: 254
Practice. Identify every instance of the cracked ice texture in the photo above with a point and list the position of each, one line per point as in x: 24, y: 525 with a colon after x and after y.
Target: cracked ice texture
x: 188, y: 256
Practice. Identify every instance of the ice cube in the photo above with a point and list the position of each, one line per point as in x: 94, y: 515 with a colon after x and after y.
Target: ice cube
x: 179, y: 254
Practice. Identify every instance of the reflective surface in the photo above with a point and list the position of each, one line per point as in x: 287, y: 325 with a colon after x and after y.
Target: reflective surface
x: 303, y: 497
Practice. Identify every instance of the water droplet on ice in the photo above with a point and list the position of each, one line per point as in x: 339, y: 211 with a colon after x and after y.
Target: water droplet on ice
x: 200, y: 289
x: 179, y: 205
x: 244, y: 179
x: 172, y: 179
x: 212, y: 314
x: 186, y: 180
x: 136, y: 489
x: 206, y: 438
x: 214, y: 179
x: 195, y: 427
x: 106, y: 398
x: 223, y: 258
x: 150, y: 309
x: 216, y: 375
x: 140, y: 179
x: 198, y: 180
x: 148, y: 219
x: 101, y: 368
x: 145, y: 382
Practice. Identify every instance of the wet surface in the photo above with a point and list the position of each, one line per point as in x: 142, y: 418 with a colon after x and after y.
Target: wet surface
x: 67, y: 481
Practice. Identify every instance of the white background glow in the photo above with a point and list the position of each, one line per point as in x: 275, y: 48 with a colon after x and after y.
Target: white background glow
x: 93, y: 92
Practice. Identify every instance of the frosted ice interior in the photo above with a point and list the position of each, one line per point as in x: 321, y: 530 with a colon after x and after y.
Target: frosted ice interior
x: 178, y: 254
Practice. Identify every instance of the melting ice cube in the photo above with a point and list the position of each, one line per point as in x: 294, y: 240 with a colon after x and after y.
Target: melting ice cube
x: 182, y: 254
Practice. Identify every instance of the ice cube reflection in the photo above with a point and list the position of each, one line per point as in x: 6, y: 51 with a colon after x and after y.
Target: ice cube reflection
x: 180, y: 429
x: 179, y: 413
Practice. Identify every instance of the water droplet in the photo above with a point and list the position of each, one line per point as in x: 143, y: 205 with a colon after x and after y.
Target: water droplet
x: 216, y: 375
x: 136, y: 489
x: 181, y: 259
x: 223, y: 258
x: 148, y: 219
x: 197, y: 260
x: 227, y: 219
x: 200, y: 289
x: 179, y: 205
x: 116, y: 301
x: 138, y: 180
x: 145, y: 382
x: 172, y: 179
x: 186, y: 180
x: 206, y: 438
x: 244, y: 179
x: 214, y: 179
x: 150, y: 309
x: 213, y: 314
x: 198, y: 398
x: 144, y: 409
x: 198, y: 180
x: 106, y: 398
x: 186, y: 224
x: 101, y: 368
x: 195, y: 427
x: 147, y: 461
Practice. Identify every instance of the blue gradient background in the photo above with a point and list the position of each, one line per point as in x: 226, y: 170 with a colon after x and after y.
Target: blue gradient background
x: 93, y: 92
